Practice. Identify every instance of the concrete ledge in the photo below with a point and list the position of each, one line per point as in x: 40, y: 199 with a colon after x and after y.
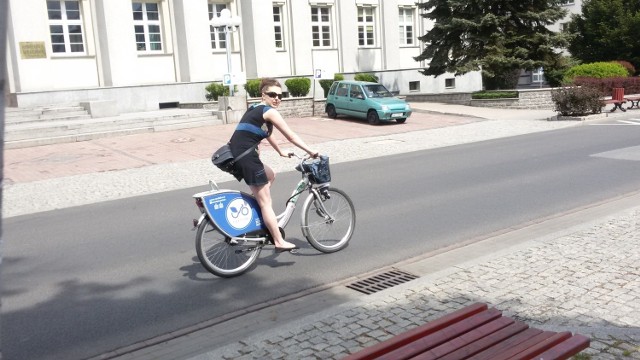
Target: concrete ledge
x: 101, y: 108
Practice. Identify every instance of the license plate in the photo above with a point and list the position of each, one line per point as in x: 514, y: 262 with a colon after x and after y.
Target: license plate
x: 395, y: 115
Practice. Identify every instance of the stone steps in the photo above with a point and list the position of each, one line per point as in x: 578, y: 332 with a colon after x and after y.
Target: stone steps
x: 64, y: 124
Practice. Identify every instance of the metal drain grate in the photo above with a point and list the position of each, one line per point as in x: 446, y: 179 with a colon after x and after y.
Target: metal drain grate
x: 382, y: 281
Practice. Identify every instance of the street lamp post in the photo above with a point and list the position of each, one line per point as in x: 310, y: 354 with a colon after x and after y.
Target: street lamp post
x: 226, y: 23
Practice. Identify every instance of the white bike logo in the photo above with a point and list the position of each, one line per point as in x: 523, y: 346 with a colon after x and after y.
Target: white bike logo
x: 238, y: 214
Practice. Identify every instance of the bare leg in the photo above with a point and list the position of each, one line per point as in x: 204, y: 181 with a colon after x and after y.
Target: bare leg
x: 262, y: 194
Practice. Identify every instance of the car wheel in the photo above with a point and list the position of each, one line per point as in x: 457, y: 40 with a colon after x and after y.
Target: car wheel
x: 401, y: 121
x: 372, y: 117
x: 331, y: 111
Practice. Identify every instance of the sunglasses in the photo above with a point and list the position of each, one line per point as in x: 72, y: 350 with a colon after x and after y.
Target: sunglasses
x: 274, y: 95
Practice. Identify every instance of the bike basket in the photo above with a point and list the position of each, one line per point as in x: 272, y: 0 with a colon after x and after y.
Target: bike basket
x: 318, y: 170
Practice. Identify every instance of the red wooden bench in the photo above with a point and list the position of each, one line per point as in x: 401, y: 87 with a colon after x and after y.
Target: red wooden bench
x: 617, y: 99
x: 635, y: 101
x: 476, y: 332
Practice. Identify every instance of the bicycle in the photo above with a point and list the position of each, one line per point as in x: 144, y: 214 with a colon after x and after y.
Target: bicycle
x: 231, y: 233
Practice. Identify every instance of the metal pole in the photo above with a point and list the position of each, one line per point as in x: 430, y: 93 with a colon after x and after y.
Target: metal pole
x: 228, y: 46
x: 3, y: 74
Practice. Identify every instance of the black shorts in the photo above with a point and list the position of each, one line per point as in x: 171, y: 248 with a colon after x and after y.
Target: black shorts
x: 252, y: 170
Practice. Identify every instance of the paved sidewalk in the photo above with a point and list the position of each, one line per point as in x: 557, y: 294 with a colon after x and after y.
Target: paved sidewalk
x: 561, y: 274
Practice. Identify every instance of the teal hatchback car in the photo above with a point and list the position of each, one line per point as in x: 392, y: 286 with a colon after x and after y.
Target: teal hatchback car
x: 365, y: 100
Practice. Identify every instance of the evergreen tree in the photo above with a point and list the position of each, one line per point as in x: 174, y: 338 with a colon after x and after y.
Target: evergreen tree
x: 499, y: 37
x: 607, y: 30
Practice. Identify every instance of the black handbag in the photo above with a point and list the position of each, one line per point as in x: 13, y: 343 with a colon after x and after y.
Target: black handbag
x: 224, y: 160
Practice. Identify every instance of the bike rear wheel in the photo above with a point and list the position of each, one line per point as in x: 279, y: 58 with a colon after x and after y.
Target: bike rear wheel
x: 328, y: 222
x: 219, y: 255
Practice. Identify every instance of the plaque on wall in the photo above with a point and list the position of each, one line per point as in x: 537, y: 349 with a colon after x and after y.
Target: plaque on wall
x: 33, y: 50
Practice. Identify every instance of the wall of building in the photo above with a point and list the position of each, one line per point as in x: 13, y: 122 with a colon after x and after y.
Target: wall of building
x: 112, y: 69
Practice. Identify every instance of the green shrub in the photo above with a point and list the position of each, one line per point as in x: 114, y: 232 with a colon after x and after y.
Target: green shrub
x: 489, y: 94
x: 365, y: 77
x: 215, y: 90
x: 595, y: 70
x: 253, y: 88
x: 326, y: 83
x: 298, y: 86
x: 577, y: 101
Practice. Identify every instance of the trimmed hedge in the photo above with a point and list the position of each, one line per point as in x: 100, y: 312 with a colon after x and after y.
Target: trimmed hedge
x: 598, y: 70
x: 631, y: 85
x: 488, y: 94
x: 215, y: 90
x: 298, y: 86
x: 253, y: 88
x: 366, y: 77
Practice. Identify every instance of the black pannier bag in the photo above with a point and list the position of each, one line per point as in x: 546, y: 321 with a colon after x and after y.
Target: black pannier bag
x: 224, y: 160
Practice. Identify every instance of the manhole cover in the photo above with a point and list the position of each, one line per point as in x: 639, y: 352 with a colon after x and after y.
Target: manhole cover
x: 183, y: 140
x: 382, y: 281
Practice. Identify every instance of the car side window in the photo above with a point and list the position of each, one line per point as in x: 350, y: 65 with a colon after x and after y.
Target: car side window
x: 356, y: 92
x: 343, y: 90
x: 332, y: 90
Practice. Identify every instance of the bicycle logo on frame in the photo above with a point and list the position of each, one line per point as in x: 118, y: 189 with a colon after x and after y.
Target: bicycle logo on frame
x: 238, y: 214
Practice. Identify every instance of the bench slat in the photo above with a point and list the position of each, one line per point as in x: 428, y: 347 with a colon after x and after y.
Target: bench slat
x: 500, y: 348
x: 465, y: 339
x: 566, y: 349
x: 487, y: 342
x: 428, y: 342
x: 373, y: 352
x: 542, y: 346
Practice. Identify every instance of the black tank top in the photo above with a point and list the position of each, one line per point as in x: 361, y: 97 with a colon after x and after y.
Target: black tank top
x: 251, y: 129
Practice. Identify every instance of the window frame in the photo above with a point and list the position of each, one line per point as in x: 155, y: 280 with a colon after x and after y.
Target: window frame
x: 218, y: 38
x: 66, y: 25
x: 537, y: 76
x: 407, y: 37
x: 324, y: 38
x: 147, y: 26
x: 366, y: 29
x: 278, y: 27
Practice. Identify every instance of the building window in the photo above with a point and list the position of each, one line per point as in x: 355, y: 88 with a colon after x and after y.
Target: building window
x: 537, y: 76
x: 218, y: 37
x: 321, y: 26
x: 65, y: 25
x: 406, y: 26
x: 146, y: 23
x: 450, y: 83
x: 366, y: 26
x: 414, y: 85
x: 567, y: 2
x: 278, y: 27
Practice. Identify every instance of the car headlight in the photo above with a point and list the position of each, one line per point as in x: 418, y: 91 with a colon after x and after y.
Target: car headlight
x: 384, y: 108
x: 407, y: 107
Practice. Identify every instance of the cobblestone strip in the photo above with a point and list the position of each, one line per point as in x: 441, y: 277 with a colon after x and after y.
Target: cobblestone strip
x: 587, y: 282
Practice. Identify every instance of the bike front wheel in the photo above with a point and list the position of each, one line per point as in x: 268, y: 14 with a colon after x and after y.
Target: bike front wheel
x: 328, y: 221
x: 220, y: 255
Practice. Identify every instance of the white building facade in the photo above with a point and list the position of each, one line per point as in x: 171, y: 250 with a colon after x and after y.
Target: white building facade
x: 149, y: 54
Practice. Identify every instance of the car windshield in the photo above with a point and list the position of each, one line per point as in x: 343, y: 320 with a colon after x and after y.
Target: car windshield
x: 377, y: 90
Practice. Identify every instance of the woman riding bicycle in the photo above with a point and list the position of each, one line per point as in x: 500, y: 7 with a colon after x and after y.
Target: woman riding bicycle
x: 257, y: 124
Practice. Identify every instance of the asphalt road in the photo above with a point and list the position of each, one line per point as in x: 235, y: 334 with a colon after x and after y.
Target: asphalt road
x: 81, y: 281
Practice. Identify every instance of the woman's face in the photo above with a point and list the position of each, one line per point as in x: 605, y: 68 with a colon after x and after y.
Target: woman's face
x: 272, y: 96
